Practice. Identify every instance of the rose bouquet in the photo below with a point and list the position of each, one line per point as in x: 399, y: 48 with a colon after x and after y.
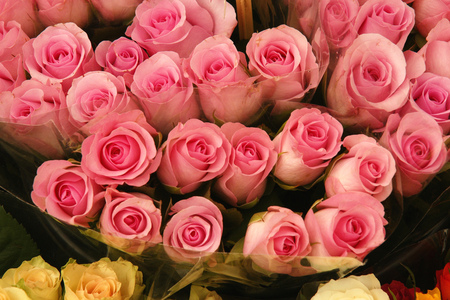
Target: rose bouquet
x: 264, y: 160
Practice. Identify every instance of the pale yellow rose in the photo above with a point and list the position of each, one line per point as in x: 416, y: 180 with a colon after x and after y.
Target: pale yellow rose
x: 434, y: 294
x: 353, y: 287
x: 11, y: 292
x: 104, y: 279
x: 37, y: 278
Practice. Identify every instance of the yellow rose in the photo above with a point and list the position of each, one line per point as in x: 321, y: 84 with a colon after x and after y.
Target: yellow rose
x: 11, y: 292
x: 352, y: 287
x: 102, y: 279
x: 434, y: 294
x: 37, y: 278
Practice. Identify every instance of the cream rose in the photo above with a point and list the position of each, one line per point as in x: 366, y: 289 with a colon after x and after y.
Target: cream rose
x: 12, y: 292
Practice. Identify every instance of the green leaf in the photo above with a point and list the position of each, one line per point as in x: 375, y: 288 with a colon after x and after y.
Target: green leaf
x: 16, y: 245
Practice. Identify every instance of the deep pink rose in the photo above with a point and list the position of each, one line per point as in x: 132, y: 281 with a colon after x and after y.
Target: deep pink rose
x: 277, y: 240
x: 306, y: 144
x: 252, y: 158
x: 120, y: 57
x: 225, y: 89
x: 417, y: 143
x: 429, y: 13
x: 179, y: 25
x: 166, y: 96
x: 348, y: 224
x: 393, y: 19
x: 367, y: 167
x: 24, y: 13
x: 285, y: 60
x: 64, y: 191
x: 194, y: 152
x: 12, y: 73
x: 12, y: 38
x: 51, y: 12
x: 115, y: 11
x: 368, y: 83
x: 121, y: 150
x: 59, y: 54
x: 431, y: 94
x: 130, y: 221
x: 194, y: 230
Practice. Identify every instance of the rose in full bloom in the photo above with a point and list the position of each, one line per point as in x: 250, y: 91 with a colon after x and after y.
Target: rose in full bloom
x: 103, y: 279
x: 37, y: 278
x: 121, y: 150
x: 120, y: 57
x: 166, y: 96
x: 12, y: 292
x: 194, y: 230
x: 429, y: 13
x: 132, y: 217
x: 115, y: 11
x: 368, y: 83
x: 179, y: 25
x: 277, y: 240
x: 12, y: 38
x: 366, y: 167
x: 306, y: 144
x: 399, y: 290
x: 226, y: 91
x: 352, y: 287
x: 60, y: 53
x: 393, y: 19
x: 194, y: 152
x: 443, y: 281
x: 417, y: 144
x: 67, y: 193
x: 51, y: 12
x: 23, y: 12
x: 252, y: 158
x: 348, y: 224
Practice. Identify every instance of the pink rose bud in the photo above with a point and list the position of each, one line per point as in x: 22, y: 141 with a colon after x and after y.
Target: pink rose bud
x: 51, y: 12
x: 64, y: 191
x: 115, y: 11
x: 306, y: 145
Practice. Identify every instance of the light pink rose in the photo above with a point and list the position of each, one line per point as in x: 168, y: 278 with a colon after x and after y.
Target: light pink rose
x: 166, y: 96
x: 429, y: 13
x: 179, y: 25
x: 252, y: 159
x: 417, y: 144
x: 115, y: 11
x: 431, y: 93
x: 132, y: 217
x: 12, y: 73
x: 393, y: 19
x: 347, y: 224
x: 305, y: 146
x: 12, y: 38
x: 367, y: 167
x: 194, y: 152
x: 285, y: 60
x: 51, y: 12
x: 304, y: 16
x: 226, y: 91
x: 64, y: 191
x: 120, y: 57
x: 59, y: 54
x: 194, y: 230
x: 277, y: 240
x: 121, y: 150
x: 368, y: 83
x: 24, y: 13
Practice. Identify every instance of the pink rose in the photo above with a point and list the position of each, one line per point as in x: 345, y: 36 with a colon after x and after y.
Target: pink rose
x: 166, y: 96
x: 429, y: 13
x: 115, y: 11
x: 225, y: 89
x: 304, y: 16
x: 12, y: 73
x: 194, y: 152
x: 59, y: 54
x: 194, y: 230
x: 305, y: 146
x: 179, y: 25
x: 277, y: 240
x: 131, y: 217
x: 12, y: 38
x: 120, y: 57
x: 51, y: 12
x: 368, y: 83
x: 252, y: 159
x: 23, y: 12
x: 393, y: 19
x: 367, y: 167
x: 64, y: 191
x: 121, y: 150
x: 417, y: 144
x: 348, y: 224
x: 285, y: 60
